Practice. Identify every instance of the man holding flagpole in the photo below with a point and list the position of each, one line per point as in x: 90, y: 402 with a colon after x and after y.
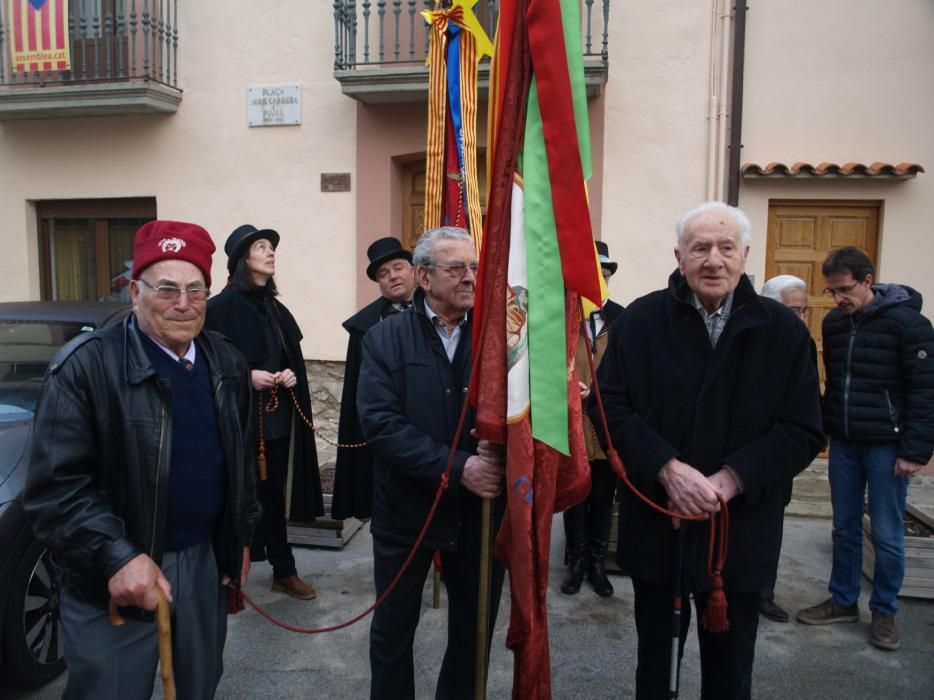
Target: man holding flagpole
x: 413, y: 382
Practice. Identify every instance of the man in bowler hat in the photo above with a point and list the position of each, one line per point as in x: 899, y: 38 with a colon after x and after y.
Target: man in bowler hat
x: 390, y: 266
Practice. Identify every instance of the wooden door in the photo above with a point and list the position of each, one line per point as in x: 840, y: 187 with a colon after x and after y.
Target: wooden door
x: 413, y: 202
x: 801, y: 233
x: 413, y: 197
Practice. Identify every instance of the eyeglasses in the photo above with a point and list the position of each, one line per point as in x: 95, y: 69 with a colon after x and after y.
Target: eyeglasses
x: 841, y: 291
x: 800, y: 311
x: 169, y: 292
x: 457, y: 269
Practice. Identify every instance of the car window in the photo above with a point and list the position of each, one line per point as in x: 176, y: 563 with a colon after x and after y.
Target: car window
x: 26, y: 348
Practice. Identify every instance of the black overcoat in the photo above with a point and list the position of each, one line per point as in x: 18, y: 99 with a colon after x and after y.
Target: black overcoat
x: 237, y: 314
x: 353, y: 473
x: 751, y: 403
x: 409, y: 399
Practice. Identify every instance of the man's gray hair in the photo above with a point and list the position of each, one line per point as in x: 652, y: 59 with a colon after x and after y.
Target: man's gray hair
x: 745, y: 228
x: 775, y: 287
x: 424, y: 252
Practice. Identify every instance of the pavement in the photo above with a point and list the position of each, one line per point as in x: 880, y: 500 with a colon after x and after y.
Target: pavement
x: 593, y: 640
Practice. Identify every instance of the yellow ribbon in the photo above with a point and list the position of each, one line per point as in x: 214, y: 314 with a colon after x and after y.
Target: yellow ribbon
x: 461, y: 14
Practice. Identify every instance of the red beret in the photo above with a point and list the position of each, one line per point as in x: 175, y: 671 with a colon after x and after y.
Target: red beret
x: 172, y: 240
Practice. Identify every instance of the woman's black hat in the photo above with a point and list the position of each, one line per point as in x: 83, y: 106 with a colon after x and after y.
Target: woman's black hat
x: 383, y: 250
x: 239, y: 242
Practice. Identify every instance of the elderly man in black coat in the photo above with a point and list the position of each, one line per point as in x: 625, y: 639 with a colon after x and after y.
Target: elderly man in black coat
x: 413, y: 381
x: 391, y: 268
x: 709, y: 391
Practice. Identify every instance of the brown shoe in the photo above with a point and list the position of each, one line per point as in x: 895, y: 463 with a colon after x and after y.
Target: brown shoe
x: 294, y: 587
x: 883, y: 634
x: 827, y: 613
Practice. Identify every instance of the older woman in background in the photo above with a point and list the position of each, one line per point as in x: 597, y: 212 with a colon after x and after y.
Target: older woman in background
x: 793, y: 293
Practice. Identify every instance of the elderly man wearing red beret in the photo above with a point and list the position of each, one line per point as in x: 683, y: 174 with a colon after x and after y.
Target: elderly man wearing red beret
x: 140, y: 480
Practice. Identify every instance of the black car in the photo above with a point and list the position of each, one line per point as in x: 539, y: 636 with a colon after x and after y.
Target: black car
x: 30, y: 335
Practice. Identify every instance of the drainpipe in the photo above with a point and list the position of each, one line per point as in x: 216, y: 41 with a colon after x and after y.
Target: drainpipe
x: 736, y: 101
x: 712, y: 155
x: 724, y: 81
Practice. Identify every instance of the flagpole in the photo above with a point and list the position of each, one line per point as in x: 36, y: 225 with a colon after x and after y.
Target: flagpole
x: 483, y: 600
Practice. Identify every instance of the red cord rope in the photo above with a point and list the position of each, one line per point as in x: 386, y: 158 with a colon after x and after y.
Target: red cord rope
x: 442, y: 487
x: 715, y: 614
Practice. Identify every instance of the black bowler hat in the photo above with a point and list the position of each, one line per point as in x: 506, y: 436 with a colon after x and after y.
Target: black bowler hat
x: 242, y: 238
x: 381, y: 251
x: 603, y: 252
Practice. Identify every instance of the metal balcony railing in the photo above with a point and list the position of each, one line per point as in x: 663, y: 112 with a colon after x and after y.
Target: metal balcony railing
x: 390, y: 33
x: 109, y: 41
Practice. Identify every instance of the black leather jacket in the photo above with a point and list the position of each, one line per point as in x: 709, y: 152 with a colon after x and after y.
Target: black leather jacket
x: 97, y: 486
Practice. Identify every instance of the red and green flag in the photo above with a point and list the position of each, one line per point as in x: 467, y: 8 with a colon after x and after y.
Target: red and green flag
x: 537, y: 261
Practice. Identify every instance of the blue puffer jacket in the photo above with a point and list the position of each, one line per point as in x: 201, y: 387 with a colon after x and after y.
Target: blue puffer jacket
x: 880, y: 373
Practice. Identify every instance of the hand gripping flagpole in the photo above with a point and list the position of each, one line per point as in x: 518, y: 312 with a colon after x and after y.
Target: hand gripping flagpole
x: 483, y: 599
x: 453, y: 27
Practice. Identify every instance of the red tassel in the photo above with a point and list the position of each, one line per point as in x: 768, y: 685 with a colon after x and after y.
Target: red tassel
x: 715, y: 615
x: 234, y: 601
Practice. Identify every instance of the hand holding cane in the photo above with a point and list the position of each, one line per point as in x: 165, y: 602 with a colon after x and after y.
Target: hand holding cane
x: 164, y: 630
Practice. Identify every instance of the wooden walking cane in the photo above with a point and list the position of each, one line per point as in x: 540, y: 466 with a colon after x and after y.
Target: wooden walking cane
x: 483, y: 600
x: 164, y: 630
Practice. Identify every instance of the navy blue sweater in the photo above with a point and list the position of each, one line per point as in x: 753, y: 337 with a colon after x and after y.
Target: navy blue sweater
x: 197, y: 481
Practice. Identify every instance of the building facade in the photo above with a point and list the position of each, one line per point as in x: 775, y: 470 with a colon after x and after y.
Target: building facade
x: 85, y: 157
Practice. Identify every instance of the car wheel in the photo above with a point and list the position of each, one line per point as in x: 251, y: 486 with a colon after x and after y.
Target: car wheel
x: 32, y: 634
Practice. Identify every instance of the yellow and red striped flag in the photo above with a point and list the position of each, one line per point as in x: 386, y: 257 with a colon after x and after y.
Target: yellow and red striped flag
x: 39, y: 35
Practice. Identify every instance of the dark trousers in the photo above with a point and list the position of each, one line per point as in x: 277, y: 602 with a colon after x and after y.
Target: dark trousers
x: 120, y: 662
x: 392, y: 632
x: 726, y: 658
x: 270, y: 542
x: 768, y: 593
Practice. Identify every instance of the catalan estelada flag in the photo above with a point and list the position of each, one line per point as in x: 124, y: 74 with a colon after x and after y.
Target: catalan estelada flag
x: 39, y: 35
x: 456, y: 44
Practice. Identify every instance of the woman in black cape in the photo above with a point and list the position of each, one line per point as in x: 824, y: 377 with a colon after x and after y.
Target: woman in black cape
x: 248, y: 312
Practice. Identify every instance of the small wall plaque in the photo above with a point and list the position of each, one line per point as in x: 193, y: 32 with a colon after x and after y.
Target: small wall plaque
x: 335, y: 182
x: 274, y: 105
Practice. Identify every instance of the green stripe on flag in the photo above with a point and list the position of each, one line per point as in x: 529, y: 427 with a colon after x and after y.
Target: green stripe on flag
x: 547, y: 345
x: 571, y: 23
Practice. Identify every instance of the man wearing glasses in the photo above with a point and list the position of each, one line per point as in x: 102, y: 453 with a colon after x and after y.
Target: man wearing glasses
x: 140, y: 481
x: 879, y: 414
x: 413, y: 381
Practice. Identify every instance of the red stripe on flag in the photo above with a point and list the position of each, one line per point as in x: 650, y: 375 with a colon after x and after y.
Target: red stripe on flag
x: 61, y: 38
x: 31, y: 34
x: 489, y: 335
x: 46, y: 21
x: 569, y: 199
x: 18, y: 25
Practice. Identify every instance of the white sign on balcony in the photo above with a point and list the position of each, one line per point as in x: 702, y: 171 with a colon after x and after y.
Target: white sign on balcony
x: 274, y: 105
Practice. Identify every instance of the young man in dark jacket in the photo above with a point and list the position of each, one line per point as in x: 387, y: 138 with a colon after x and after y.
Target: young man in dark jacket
x: 703, y: 401
x: 140, y: 481
x: 414, y: 378
x: 879, y: 414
